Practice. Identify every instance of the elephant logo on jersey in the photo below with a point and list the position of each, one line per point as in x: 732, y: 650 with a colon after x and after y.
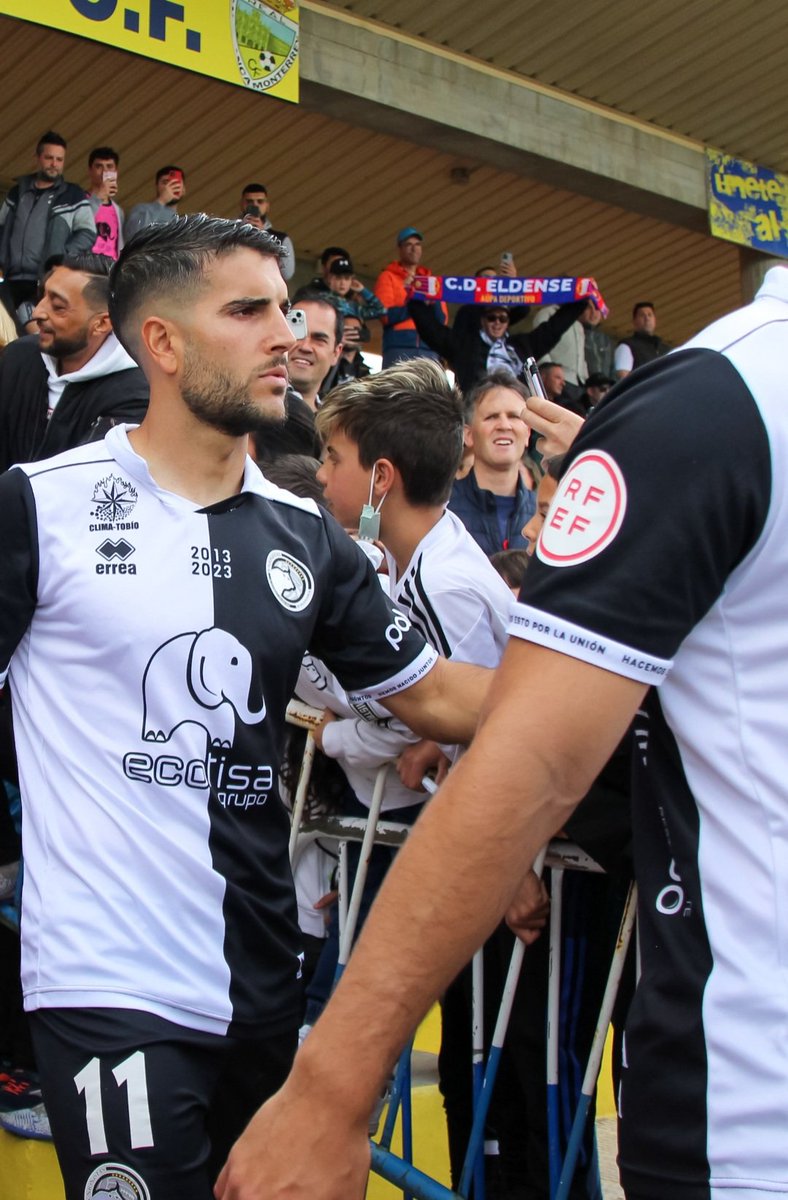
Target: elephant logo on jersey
x: 289, y: 580
x: 203, y: 678
x: 117, y: 1181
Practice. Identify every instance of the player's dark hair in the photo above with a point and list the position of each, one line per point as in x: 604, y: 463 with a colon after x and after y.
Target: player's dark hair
x: 296, y: 473
x: 409, y: 414
x: 103, y: 152
x: 643, y: 304
x: 171, y: 260
x: 511, y: 565
x: 500, y: 378
x: 162, y: 171
x: 254, y: 187
x: 97, y: 267
x: 306, y: 295
x: 50, y: 138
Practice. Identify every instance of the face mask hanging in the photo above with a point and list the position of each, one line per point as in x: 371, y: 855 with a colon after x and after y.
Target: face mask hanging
x: 369, y: 521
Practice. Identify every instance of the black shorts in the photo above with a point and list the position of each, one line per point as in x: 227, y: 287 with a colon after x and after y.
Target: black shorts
x: 143, y: 1109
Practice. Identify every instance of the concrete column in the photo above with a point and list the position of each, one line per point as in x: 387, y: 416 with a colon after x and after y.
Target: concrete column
x: 753, y: 265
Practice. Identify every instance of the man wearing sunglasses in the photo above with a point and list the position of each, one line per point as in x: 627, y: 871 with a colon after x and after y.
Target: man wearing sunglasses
x: 472, y: 353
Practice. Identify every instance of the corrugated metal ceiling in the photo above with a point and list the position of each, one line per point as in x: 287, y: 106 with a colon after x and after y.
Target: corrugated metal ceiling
x: 331, y: 181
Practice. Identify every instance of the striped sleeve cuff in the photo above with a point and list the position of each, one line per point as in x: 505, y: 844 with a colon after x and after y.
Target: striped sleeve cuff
x: 533, y: 625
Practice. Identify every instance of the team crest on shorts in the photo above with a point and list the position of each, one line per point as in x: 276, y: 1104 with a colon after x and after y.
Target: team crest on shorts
x: 586, y: 512
x: 289, y: 580
x: 114, y: 1179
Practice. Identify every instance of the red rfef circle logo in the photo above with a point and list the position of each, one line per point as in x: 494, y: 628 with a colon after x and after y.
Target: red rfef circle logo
x: 586, y: 512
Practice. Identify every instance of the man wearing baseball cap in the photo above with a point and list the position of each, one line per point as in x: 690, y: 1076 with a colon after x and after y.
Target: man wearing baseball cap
x: 400, y: 339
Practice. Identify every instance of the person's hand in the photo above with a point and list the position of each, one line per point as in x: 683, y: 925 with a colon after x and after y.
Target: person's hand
x: 330, y: 1162
x: 528, y: 913
x: 108, y: 189
x: 415, y: 761
x: 170, y: 189
x: 356, y: 285
x: 317, y: 732
x: 507, y: 267
x: 248, y: 219
x: 557, y: 426
x: 352, y: 335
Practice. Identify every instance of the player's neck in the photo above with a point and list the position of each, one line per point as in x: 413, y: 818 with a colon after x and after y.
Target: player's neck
x: 404, y: 527
x: 501, y: 481
x: 190, y: 459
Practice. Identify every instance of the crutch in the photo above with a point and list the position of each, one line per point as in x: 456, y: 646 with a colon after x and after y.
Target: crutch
x: 598, y: 1044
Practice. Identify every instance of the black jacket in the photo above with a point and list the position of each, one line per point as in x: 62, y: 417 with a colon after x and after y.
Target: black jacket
x: 466, y: 351
x: 84, y: 413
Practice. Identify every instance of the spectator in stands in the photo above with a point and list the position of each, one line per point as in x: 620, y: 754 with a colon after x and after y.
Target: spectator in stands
x: 597, y: 387
x: 41, y: 217
x: 314, y: 357
x: 473, y: 353
x: 255, y: 207
x: 352, y: 297
x: 569, y: 350
x: 351, y: 363
x: 170, y: 190
x: 643, y: 345
x: 401, y: 338
x: 107, y: 213
x: 74, y: 380
x: 599, y: 347
x: 554, y: 380
x: 319, y: 283
x: 7, y: 328
x: 395, y: 441
x: 491, y: 500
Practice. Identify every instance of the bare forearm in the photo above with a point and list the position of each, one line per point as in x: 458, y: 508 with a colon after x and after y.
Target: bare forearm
x: 444, y: 706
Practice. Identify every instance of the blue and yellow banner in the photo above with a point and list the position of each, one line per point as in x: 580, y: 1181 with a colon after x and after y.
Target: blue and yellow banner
x: 748, y: 204
x: 251, y: 43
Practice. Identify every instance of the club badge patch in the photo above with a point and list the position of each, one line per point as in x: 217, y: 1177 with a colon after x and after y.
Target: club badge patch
x: 114, y: 1179
x: 586, y: 513
x: 289, y: 580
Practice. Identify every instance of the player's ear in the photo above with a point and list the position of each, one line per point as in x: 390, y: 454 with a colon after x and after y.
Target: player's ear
x: 162, y: 343
x: 385, y: 474
x: 467, y: 437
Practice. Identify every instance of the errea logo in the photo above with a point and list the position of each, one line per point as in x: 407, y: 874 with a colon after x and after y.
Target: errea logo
x: 115, y: 555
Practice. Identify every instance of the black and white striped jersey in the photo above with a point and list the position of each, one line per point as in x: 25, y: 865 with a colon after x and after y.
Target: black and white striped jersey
x: 664, y: 557
x: 151, y: 649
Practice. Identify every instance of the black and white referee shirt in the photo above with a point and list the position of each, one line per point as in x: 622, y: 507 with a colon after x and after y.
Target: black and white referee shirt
x: 151, y: 649
x: 664, y: 557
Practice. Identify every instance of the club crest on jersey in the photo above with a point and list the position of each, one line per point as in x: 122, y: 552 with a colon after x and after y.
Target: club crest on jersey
x: 117, y: 1180
x: 204, y: 678
x: 113, y: 502
x: 586, y: 512
x: 289, y: 580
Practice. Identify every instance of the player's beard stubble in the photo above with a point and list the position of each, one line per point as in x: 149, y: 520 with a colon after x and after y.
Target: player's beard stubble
x: 225, y: 401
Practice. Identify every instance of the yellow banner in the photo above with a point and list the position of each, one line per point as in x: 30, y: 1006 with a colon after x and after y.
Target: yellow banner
x: 251, y: 43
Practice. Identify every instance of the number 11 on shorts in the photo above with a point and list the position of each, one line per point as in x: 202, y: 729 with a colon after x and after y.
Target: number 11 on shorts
x: 131, y: 1072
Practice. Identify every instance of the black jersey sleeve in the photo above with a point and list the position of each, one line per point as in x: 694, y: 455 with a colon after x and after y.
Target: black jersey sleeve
x: 665, y: 491
x: 366, y: 641
x: 18, y: 562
